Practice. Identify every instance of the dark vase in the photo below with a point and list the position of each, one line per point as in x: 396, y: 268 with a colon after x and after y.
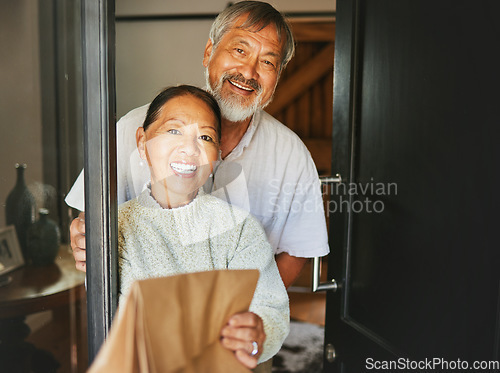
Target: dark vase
x: 20, y: 208
x: 44, y: 239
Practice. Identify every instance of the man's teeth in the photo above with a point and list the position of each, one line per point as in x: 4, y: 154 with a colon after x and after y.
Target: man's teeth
x: 183, y: 168
x: 241, y: 87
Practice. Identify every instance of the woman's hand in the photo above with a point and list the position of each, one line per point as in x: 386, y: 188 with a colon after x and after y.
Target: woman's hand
x: 244, y: 334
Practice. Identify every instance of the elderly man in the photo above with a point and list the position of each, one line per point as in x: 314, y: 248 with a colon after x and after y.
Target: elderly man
x: 264, y: 168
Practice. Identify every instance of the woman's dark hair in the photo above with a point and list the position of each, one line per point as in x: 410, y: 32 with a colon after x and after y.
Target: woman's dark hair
x: 178, y: 91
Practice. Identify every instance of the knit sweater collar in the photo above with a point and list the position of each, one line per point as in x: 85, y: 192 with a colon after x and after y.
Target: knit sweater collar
x: 147, y: 200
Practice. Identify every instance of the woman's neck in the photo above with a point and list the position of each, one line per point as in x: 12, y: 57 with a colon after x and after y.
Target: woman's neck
x: 170, y: 200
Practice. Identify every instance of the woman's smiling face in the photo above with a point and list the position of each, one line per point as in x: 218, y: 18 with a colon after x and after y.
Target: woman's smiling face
x: 180, y: 147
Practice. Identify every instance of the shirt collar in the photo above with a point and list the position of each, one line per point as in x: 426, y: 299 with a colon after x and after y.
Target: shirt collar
x: 247, y: 137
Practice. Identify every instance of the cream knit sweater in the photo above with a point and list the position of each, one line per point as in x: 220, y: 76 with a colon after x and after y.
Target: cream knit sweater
x: 207, y: 234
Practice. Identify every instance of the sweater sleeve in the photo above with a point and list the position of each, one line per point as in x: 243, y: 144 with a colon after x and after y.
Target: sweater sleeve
x: 125, y: 269
x: 270, y: 300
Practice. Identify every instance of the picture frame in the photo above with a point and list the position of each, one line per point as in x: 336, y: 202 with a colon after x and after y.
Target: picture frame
x: 11, y: 256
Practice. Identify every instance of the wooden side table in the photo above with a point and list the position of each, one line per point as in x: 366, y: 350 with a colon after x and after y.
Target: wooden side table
x: 34, y: 289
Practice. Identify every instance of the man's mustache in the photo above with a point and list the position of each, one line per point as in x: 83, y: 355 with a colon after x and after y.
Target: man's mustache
x: 241, y: 79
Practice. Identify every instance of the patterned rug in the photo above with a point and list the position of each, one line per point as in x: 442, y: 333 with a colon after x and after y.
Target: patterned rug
x: 302, y: 351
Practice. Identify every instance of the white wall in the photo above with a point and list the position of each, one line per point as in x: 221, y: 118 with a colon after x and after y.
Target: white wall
x: 20, y: 106
x: 155, y: 54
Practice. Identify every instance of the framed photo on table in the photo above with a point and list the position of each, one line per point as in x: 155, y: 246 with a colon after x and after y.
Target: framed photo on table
x: 11, y: 256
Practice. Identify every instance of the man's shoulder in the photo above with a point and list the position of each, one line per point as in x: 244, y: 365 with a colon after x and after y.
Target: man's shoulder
x: 134, y: 117
x: 273, y: 131
x: 268, y: 122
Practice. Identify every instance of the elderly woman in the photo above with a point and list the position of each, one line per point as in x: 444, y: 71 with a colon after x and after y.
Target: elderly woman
x: 173, y: 227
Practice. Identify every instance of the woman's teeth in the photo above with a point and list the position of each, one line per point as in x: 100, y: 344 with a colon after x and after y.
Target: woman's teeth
x: 183, y: 168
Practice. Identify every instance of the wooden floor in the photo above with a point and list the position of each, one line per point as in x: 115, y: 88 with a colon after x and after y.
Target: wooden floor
x: 307, y: 307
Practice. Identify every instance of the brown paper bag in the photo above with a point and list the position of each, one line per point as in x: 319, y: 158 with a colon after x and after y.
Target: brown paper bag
x: 173, y: 324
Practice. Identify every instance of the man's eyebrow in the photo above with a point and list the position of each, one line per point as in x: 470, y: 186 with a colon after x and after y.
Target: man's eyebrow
x: 273, y: 54
x: 243, y: 41
x: 270, y: 53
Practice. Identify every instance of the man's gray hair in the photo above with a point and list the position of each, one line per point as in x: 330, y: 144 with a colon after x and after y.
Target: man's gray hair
x: 260, y: 15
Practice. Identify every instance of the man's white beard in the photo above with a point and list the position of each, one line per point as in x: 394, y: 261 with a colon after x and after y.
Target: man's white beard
x: 233, y: 108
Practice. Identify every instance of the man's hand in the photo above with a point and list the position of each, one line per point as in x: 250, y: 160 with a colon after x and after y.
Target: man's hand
x: 238, y: 335
x: 289, y: 267
x: 77, y: 234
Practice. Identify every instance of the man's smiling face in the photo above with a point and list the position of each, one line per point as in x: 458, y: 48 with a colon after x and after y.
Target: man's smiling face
x: 243, y: 70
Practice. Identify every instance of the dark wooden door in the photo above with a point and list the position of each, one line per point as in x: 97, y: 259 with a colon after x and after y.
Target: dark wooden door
x: 414, y: 226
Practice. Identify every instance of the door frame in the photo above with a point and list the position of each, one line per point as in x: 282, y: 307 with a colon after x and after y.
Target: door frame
x: 98, y: 54
x: 343, y: 119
